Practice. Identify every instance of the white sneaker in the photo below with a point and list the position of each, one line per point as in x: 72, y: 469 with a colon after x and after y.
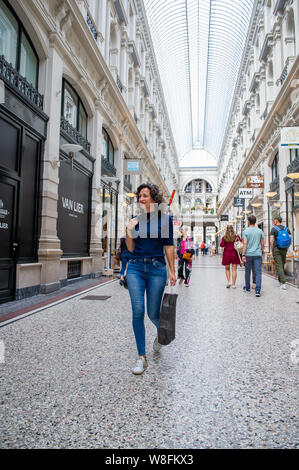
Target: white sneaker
x: 157, y: 346
x: 140, y: 367
x: 233, y: 286
x: 283, y: 286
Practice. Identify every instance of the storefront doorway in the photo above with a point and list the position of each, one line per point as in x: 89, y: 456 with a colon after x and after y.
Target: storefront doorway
x: 8, y: 245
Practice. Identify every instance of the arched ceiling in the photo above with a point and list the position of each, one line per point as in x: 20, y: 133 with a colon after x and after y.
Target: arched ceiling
x: 198, y: 45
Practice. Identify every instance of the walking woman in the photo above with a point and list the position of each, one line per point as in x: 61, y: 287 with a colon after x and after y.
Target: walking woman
x: 185, y: 253
x: 230, y: 256
x: 147, y: 236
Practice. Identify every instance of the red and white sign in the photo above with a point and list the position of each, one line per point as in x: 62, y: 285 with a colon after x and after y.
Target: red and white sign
x: 172, y: 196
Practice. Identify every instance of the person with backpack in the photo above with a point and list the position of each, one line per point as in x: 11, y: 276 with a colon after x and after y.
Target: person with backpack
x: 280, y: 240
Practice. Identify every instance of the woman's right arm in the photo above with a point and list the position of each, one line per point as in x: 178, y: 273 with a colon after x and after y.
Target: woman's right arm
x: 129, y: 238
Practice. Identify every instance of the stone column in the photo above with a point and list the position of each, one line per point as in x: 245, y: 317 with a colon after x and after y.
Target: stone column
x: 137, y: 93
x: 267, y: 222
x: 49, y: 251
x: 146, y: 118
x: 101, y: 23
x: 121, y: 210
x: 107, y: 32
x: 277, y: 56
x: 96, y: 250
x: 124, y: 62
x: 284, y: 160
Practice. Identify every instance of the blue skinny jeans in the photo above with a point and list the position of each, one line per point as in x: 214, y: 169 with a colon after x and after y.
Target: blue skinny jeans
x: 145, y: 275
x: 254, y: 264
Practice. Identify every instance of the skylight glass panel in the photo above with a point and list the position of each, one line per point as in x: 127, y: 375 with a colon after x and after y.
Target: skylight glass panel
x: 198, y: 45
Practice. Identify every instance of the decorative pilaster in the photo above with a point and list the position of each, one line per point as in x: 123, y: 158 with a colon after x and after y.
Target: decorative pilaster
x: 49, y: 251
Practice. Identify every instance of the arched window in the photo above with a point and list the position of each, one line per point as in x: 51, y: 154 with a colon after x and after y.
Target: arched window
x: 16, y: 46
x: 198, y: 186
x: 208, y: 187
x: 73, y: 110
x: 188, y: 188
x: 107, y: 147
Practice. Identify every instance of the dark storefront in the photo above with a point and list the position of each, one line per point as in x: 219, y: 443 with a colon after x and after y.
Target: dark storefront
x: 73, y: 225
x: 22, y: 134
x: 75, y: 182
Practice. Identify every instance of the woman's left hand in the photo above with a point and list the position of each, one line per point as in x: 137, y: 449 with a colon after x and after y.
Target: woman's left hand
x: 172, y: 279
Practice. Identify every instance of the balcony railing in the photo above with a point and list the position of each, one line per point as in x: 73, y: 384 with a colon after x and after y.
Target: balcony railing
x: 128, y: 186
x: 119, y: 84
x: 107, y: 167
x: 294, y: 166
x: 92, y: 27
x: 71, y: 132
x: 11, y: 76
x: 274, y: 185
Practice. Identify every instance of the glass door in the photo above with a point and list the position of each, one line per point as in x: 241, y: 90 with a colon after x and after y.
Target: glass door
x: 8, y: 243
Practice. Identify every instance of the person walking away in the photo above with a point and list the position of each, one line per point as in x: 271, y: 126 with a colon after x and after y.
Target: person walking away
x: 147, y: 235
x: 202, y: 248
x: 197, y: 247
x: 186, y: 262
x: 230, y: 256
x: 280, y: 240
x: 253, y: 246
x: 213, y: 250
x: 125, y: 255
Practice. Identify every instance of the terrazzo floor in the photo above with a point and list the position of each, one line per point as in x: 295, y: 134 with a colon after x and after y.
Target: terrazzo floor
x: 227, y: 381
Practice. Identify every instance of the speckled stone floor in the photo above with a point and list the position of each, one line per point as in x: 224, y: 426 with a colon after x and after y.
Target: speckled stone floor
x: 227, y: 381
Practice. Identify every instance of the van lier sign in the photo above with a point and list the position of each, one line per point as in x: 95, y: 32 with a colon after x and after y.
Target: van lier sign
x: 72, y: 205
x: 245, y: 193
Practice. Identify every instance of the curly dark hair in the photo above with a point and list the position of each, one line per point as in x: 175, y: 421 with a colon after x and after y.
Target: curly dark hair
x: 156, y: 194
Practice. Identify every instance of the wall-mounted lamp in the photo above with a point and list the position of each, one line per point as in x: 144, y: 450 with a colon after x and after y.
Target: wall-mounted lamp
x: 130, y: 195
x: 239, y: 216
x: 293, y: 176
x: 256, y: 204
x: 111, y: 179
x: 246, y: 212
x: 71, y: 149
x: 271, y: 194
x: 296, y: 194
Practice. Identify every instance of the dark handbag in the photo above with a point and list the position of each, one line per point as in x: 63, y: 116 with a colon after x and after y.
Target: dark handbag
x: 123, y: 282
x: 166, y: 330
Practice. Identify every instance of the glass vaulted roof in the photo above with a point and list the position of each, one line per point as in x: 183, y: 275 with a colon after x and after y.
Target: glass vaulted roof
x: 198, y: 45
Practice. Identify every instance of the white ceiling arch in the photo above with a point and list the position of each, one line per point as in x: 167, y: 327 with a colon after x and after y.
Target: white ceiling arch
x: 198, y: 45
